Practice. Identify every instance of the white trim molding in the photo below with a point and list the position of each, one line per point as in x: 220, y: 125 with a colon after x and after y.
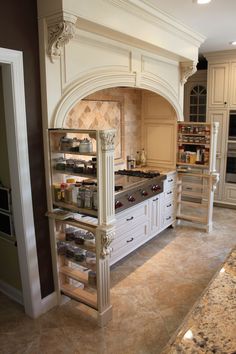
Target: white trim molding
x: 16, y: 130
x: 11, y: 292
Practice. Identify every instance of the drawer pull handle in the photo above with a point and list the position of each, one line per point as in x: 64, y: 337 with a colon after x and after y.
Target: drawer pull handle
x: 169, y: 205
x: 169, y: 192
x: 130, y: 240
x: 170, y: 180
x: 169, y: 217
x: 154, y: 200
x: 130, y: 218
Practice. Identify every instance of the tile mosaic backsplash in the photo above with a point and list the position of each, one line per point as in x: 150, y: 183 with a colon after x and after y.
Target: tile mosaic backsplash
x: 118, y: 108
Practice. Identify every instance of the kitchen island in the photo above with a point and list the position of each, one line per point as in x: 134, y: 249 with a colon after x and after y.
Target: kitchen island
x: 210, y: 327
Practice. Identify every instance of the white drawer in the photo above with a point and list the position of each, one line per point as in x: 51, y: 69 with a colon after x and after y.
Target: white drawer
x: 129, y: 243
x: 124, y: 232
x: 131, y: 217
x: 170, y: 207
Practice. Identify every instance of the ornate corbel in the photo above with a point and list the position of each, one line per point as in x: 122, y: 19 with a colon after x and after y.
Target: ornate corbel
x: 60, y: 32
x: 106, y: 240
x: 187, y: 69
x: 107, y: 140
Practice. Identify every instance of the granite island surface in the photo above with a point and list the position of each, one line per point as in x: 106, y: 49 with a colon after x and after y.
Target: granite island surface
x: 210, y: 327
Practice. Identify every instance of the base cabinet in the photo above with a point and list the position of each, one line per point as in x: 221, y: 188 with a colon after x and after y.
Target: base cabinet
x: 140, y: 223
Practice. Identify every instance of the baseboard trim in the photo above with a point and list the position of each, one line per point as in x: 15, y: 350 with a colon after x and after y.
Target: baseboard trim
x: 46, y: 304
x: 11, y: 292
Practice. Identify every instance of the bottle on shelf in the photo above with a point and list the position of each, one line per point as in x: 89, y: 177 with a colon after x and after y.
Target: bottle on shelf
x: 137, y: 158
x: 143, y: 158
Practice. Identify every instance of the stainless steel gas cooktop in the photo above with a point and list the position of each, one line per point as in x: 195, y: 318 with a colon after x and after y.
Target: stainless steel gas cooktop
x: 133, y: 187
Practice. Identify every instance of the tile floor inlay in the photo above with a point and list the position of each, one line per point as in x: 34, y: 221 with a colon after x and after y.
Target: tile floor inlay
x: 152, y: 292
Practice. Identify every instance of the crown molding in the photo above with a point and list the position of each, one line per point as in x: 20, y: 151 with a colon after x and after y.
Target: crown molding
x: 150, y: 13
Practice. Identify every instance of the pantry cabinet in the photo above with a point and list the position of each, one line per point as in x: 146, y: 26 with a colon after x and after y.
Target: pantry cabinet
x: 81, y: 215
x: 221, y: 101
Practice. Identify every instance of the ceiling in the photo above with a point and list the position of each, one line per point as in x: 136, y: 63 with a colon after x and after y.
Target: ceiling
x: 216, y: 20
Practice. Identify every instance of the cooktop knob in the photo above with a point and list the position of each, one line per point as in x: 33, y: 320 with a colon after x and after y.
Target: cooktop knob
x: 131, y: 198
x: 118, y: 204
x: 144, y: 193
x: 156, y: 188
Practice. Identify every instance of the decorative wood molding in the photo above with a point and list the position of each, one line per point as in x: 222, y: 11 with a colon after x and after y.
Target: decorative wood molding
x: 106, y: 240
x: 60, y: 32
x: 187, y: 69
x: 107, y: 140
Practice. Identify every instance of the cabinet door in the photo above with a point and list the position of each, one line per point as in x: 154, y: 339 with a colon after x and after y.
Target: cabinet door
x: 221, y: 117
x: 233, y: 85
x: 160, y: 143
x: 154, y: 216
x: 218, y: 75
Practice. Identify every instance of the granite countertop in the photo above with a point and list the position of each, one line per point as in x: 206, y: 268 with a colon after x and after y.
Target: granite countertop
x: 210, y: 327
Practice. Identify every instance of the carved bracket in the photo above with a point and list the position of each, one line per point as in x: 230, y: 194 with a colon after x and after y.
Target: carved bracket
x: 106, y: 240
x: 108, y: 140
x: 60, y: 32
x: 187, y: 69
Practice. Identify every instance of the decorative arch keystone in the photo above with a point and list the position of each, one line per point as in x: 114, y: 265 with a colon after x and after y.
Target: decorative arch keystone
x: 187, y: 69
x: 60, y: 32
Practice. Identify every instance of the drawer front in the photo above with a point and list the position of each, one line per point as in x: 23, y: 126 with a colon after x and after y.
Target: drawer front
x: 131, y: 217
x: 169, y: 207
x: 170, y: 182
x: 129, y: 243
x: 124, y: 232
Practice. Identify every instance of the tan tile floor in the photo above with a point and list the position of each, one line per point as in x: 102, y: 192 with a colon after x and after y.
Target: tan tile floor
x: 152, y: 291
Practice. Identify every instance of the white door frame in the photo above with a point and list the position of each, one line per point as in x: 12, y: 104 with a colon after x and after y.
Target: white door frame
x: 16, y: 131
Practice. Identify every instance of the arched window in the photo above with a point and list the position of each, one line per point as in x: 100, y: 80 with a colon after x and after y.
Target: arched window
x: 197, y: 107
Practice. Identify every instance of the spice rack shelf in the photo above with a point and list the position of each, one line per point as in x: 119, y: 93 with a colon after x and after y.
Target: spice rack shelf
x: 82, y: 295
x: 92, y: 153
x: 189, y: 151
x: 74, y: 208
x: 72, y: 173
x: 82, y: 205
x: 197, y: 177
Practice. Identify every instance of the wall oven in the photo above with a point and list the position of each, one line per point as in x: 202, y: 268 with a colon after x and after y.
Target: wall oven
x: 232, y: 125
x: 231, y: 163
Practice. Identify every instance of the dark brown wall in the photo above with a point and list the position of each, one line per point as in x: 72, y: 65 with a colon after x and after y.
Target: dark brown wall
x: 18, y: 28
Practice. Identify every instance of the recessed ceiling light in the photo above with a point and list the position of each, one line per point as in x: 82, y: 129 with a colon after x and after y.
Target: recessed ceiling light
x: 201, y: 2
x: 232, y: 43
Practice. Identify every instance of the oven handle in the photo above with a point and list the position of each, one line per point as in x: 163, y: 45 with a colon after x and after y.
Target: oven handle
x: 231, y: 154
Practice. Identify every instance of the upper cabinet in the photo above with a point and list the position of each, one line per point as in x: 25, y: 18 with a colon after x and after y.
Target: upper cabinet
x: 218, y: 75
x: 232, y: 97
x: 159, y: 130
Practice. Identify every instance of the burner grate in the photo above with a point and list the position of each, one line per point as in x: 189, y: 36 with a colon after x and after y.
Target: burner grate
x: 138, y: 173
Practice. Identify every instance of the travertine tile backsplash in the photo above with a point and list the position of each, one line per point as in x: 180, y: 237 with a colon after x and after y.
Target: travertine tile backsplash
x: 118, y: 108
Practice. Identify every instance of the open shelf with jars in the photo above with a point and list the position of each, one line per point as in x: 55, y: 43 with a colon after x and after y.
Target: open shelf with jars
x: 81, y: 214
x: 193, y: 145
x: 197, y: 177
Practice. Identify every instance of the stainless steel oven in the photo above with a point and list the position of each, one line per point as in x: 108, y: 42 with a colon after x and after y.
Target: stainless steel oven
x: 232, y: 125
x: 231, y: 163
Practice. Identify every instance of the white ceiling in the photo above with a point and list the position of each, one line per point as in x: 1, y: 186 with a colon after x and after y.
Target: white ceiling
x: 216, y: 20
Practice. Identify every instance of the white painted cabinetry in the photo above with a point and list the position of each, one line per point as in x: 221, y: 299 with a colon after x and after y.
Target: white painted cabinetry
x: 140, y: 223
x: 221, y: 100
x: 218, y: 75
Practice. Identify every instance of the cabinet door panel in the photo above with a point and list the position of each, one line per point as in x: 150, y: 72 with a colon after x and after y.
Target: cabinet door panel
x: 218, y: 89
x: 233, y: 85
x: 160, y: 144
x: 221, y: 117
